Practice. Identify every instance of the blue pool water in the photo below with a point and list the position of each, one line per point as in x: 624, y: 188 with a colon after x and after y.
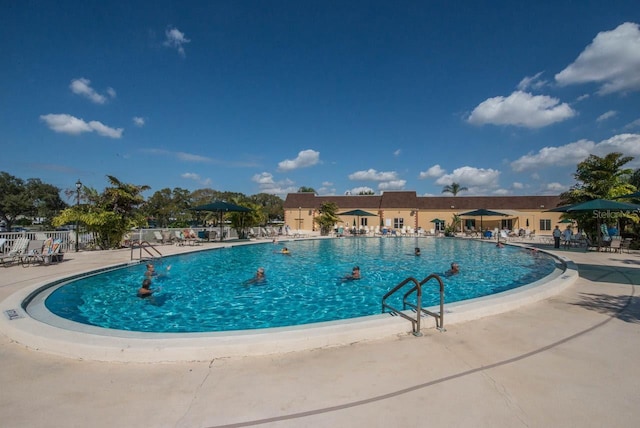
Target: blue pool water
x: 206, y: 291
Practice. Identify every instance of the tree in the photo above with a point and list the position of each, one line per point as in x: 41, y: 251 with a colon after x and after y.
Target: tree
x: 31, y: 199
x: 159, y: 206
x: 304, y: 189
x: 327, y: 218
x: 634, y: 180
x: 366, y: 192
x: 109, y: 215
x: 14, y: 200
x: 454, y: 189
x: 271, y: 206
x: 241, y: 222
x: 600, y: 178
x: 45, y: 200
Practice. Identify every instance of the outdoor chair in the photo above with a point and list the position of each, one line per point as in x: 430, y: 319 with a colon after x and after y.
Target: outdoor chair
x: 615, y: 246
x: 18, y: 250
x: 178, y: 238
x: 158, y: 237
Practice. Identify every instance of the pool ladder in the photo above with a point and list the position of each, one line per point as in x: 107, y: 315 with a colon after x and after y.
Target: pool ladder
x: 151, y: 252
x: 419, y: 310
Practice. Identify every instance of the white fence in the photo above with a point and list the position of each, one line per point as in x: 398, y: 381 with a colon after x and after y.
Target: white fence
x: 87, y: 241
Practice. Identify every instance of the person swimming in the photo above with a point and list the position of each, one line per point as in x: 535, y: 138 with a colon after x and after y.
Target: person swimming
x: 151, y: 271
x: 258, y: 278
x: 145, y: 290
x: 455, y: 269
x: 417, y: 251
x: 355, y: 274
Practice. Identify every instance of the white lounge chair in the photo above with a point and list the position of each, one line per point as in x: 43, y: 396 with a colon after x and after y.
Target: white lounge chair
x: 158, y: 237
x: 16, y: 253
x: 178, y: 237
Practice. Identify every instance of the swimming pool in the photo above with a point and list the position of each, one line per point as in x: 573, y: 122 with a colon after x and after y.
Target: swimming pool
x: 206, y: 291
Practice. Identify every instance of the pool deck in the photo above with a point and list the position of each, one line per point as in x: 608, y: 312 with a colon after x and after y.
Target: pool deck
x: 568, y: 360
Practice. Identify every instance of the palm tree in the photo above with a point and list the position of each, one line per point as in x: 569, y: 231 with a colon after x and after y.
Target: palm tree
x: 453, y: 188
x: 600, y: 177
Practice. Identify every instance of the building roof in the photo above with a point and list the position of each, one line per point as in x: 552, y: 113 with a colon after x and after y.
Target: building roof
x: 409, y: 200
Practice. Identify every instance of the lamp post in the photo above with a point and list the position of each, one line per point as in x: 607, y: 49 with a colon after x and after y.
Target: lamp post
x: 299, y: 218
x: 78, y: 187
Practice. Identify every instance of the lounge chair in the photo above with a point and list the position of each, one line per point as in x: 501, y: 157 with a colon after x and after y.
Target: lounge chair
x: 52, y: 253
x: 16, y: 253
x: 589, y: 244
x: 158, y: 236
x: 615, y: 246
x: 178, y: 238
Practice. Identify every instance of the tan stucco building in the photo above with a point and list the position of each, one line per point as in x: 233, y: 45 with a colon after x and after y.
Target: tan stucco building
x: 405, y: 209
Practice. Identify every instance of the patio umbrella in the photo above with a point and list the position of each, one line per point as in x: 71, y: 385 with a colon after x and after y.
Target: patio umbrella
x: 482, y: 213
x: 598, y: 207
x: 629, y: 196
x: 358, y: 214
x: 566, y: 220
x: 221, y: 207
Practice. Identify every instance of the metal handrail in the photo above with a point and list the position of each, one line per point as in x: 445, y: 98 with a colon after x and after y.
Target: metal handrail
x: 145, y: 245
x: 438, y: 316
x: 415, y: 323
x: 417, y: 288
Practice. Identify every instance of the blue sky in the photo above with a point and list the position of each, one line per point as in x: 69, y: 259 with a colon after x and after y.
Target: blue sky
x: 502, y: 97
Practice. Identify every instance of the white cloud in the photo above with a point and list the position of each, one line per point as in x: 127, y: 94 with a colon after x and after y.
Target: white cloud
x: 197, y: 178
x: 517, y: 185
x: 67, y: 124
x: 327, y: 189
x: 556, y: 188
x: 433, y: 172
x: 83, y: 88
x: 358, y: 190
x: 138, y: 121
x: 305, y: 159
x: 267, y: 184
x: 570, y: 154
x: 501, y: 192
x: 521, y: 109
x: 583, y: 97
x: 532, y: 82
x: 104, y: 130
x: 573, y: 153
x: 397, y: 152
x: 373, y: 175
x: 627, y: 144
x: 176, y: 39
x: 607, y: 115
x: 612, y: 59
x: 468, y: 176
x: 634, y: 124
x: 392, y: 185
x: 188, y: 157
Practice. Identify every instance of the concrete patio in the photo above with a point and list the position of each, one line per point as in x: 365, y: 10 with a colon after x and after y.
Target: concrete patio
x: 570, y: 360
